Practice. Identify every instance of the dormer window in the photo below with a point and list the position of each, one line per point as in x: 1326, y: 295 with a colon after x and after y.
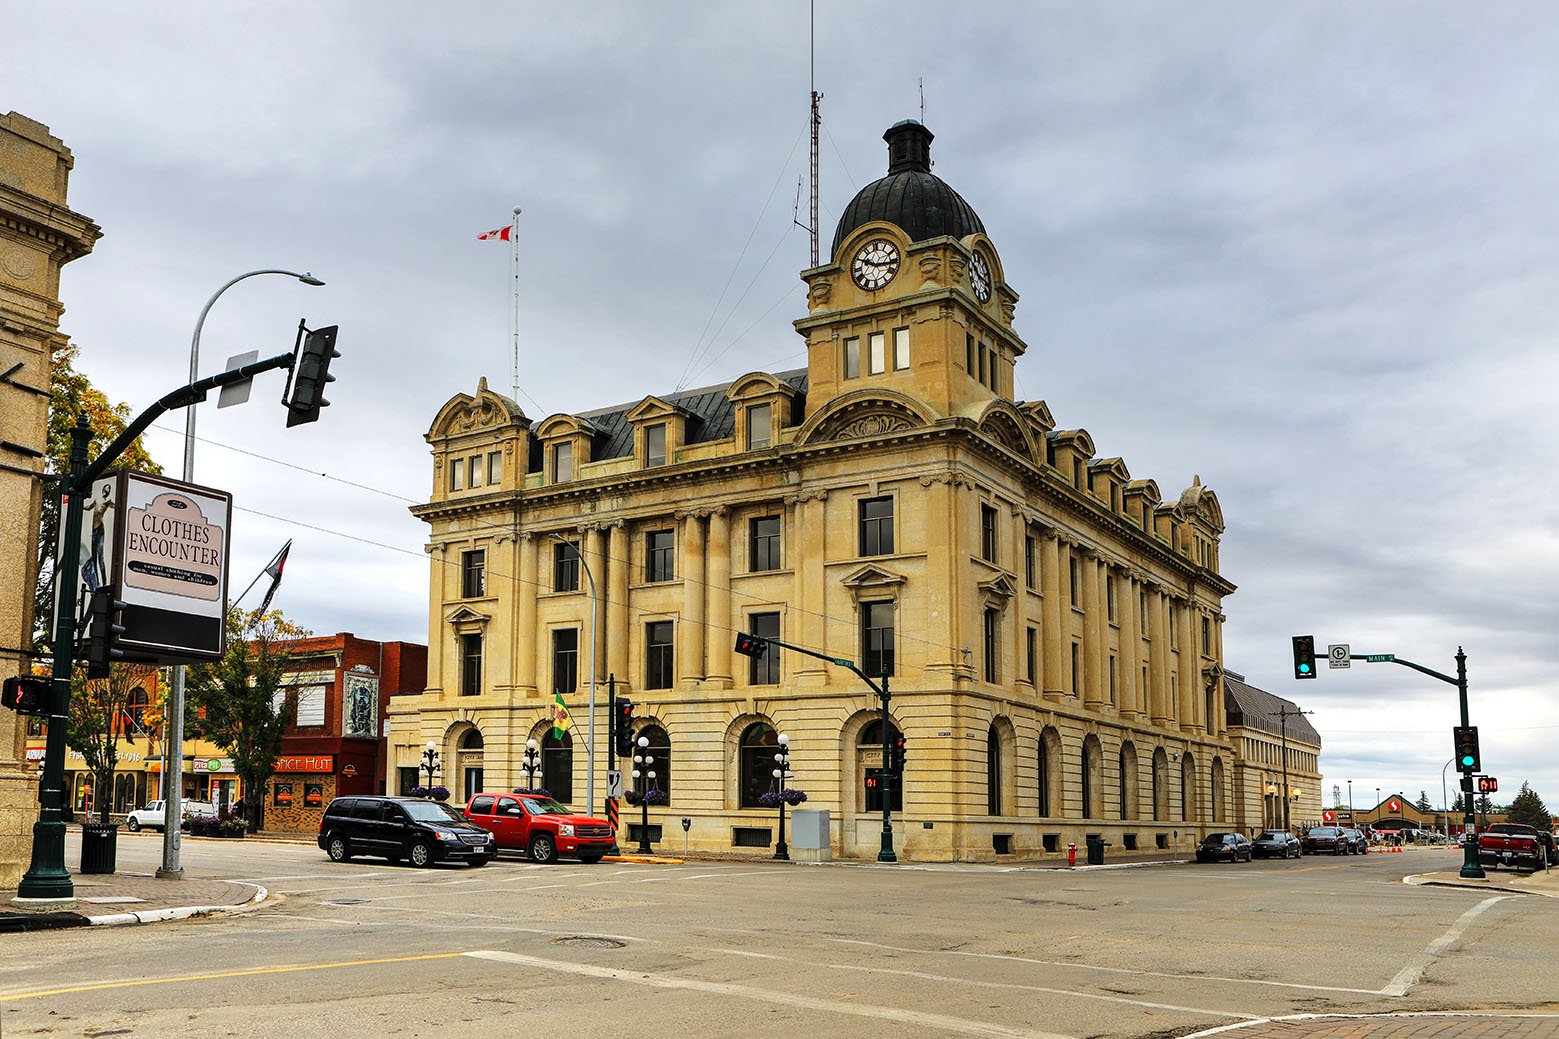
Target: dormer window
x: 562, y: 463
x: 655, y: 445
x: 760, y: 426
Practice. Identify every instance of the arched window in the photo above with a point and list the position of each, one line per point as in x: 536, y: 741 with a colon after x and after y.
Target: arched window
x: 1187, y: 788
x: 1128, y: 780
x: 1090, y: 776
x: 1217, y: 789
x: 557, y: 765
x: 868, y: 755
x: 137, y: 706
x: 472, y: 740
x: 659, y: 748
x: 1160, y: 785
x: 468, y: 768
x: 992, y: 772
x: 1049, y: 773
x: 758, y: 744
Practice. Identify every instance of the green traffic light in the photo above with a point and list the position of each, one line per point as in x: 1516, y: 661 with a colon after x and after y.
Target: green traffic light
x: 1466, y: 761
x: 1304, y: 669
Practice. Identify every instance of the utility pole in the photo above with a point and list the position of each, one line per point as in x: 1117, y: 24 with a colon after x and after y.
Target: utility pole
x: 1284, y: 714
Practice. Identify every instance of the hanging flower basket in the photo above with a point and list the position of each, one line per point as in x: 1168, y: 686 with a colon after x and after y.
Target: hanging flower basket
x: 432, y: 793
x: 537, y: 792
x: 653, y: 797
x: 775, y: 798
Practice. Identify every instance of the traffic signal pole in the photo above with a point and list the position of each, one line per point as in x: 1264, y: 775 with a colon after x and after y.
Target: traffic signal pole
x: 885, y: 854
x: 46, y: 880
x: 1471, y: 869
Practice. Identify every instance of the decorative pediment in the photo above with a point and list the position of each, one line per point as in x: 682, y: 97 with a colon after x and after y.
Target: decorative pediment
x: 863, y: 415
x: 465, y: 618
x: 1038, y: 413
x: 1201, y: 502
x: 464, y: 413
x: 653, y: 407
x: 871, y: 581
x: 997, y: 590
x: 758, y: 385
x: 1006, y: 425
x: 1113, y: 467
x: 559, y: 426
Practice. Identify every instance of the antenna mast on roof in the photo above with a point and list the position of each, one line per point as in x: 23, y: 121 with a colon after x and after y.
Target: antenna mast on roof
x: 817, y: 121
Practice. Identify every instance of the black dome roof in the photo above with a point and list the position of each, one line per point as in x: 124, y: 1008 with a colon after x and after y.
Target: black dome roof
x: 910, y: 196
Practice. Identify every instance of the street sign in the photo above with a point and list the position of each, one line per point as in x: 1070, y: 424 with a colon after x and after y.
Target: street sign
x: 1487, y: 785
x: 1380, y: 658
x: 614, y: 783
x: 237, y: 392
x: 1327, y: 817
x: 1337, y: 656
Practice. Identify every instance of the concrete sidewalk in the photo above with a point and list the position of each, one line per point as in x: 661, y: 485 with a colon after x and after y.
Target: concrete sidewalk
x: 117, y: 899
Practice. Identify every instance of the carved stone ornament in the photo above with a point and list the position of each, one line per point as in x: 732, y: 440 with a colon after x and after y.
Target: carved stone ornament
x: 820, y: 291
x: 481, y: 413
x: 958, y: 265
x: 931, y: 269
x: 1008, y: 310
x: 872, y: 426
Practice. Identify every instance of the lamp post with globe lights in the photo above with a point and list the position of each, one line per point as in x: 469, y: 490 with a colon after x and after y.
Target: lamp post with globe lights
x: 531, y: 764
x: 430, y: 763
x: 781, y: 774
x: 642, y: 760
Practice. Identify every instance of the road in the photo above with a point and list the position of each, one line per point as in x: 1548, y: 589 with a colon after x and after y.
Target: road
x: 773, y: 949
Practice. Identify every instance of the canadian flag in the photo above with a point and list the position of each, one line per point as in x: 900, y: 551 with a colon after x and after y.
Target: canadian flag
x: 502, y: 233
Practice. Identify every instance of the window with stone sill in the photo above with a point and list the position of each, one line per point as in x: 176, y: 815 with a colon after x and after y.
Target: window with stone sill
x: 877, y: 353
x: 760, y: 426
x: 900, y: 349
x: 655, y: 445
x: 562, y: 463
x: 852, y: 358
x: 473, y: 574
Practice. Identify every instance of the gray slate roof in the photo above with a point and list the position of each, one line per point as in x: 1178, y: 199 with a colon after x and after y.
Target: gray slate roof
x: 1258, y: 709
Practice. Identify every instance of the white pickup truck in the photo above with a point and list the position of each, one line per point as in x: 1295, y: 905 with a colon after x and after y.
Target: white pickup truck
x: 154, y: 815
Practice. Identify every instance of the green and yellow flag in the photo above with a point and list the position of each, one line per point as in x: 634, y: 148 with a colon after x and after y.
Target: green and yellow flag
x: 561, y: 719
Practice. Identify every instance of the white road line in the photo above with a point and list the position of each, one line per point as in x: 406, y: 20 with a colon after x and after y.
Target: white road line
x: 1112, y: 970
x: 1408, y: 976
x: 855, y: 1009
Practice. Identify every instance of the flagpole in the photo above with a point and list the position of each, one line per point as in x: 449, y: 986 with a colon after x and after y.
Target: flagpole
x: 263, y: 571
x: 514, y: 242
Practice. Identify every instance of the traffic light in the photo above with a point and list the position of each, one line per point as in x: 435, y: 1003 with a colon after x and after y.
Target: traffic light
x: 1466, y: 737
x: 103, y: 632
x: 622, y: 727
x: 1304, y: 656
x: 311, y: 372
x: 896, y: 755
x: 751, y: 645
x: 1488, y: 785
x: 26, y: 694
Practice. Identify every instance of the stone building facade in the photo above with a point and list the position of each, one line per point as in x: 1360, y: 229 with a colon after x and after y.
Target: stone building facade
x: 39, y: 234
x: 1050, y: 625
x: 1263, y: 728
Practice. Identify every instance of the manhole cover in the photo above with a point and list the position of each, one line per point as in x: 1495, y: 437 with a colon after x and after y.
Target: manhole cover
x: 589, y: 942
x: 344, y: 901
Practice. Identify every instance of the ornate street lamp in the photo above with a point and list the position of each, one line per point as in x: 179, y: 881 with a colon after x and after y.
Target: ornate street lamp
x: 430, y: 763
x: 531, y: 765
x: 782, y: 773
x: 642, y: 760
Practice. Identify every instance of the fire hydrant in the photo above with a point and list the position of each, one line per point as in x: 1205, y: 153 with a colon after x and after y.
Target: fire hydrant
x: 1071, y: 855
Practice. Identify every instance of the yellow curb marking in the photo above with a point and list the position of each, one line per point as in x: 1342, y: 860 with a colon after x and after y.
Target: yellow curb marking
x: 225, y: 974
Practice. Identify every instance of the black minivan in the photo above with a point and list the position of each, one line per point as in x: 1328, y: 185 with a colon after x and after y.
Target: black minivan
x: 402, y: 828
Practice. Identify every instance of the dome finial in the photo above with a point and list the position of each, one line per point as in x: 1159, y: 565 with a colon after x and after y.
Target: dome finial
x: 909, y: 147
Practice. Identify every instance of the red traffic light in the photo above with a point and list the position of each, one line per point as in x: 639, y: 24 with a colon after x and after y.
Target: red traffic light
x: 26, y: 694
x: 1488, y: 785
x: 751, y: 645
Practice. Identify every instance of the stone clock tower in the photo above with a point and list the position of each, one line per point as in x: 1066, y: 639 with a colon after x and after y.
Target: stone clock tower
x: 38, y: 236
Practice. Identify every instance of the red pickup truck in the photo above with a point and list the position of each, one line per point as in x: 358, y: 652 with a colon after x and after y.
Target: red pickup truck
x: 540, y: 827
x: 1511, y: 844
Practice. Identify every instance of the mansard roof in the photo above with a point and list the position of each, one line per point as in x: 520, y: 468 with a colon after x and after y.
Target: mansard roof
x: 1258, y: 709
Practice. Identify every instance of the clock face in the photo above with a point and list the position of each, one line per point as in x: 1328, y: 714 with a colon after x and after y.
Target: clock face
x: 875, y: 265
x: 980, y: 277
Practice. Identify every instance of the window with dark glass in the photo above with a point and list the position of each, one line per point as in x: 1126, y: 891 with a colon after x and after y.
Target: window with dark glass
x: 760, y: 426
x: 557, y: 765
x: 1112, y: 678
x: 1109, y: 596
x: 1071, y: 577
x: 470, y: 665
x: 969, y: 355
x: 992, y: 772
x: 1076, y: 668
x: 1044, y: 778
x: 988, y: 533
x: 655, y: 444
x: 763, y: 543
x: 992, y: 633
x: 1207, y: 637
x: 565, y: 567
x: 981, y: 360
x: 1030, y: 561
x: 1031, y: 653
x: 877, y: 638
x: 764, y: 670
x: 658, y: 655
x: 759, y: 743
x: 565, y: 660
x: 876, y: 526
x: 473, y: 574
x: 660, y: 555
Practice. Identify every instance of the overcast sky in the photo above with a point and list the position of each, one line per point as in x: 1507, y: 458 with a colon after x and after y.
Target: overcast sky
x: 1305, y: 251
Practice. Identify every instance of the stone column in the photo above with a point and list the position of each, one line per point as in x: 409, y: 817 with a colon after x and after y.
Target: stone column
x: 1190, y: 670
x: 1053, y: 644
x: 690, y: 649
x: 592, y: 542
x: 1158, y: 657
x: 810, y: 597
x: 942, y: 598
x: 1131, y: 647
x: 525, y: 629
x: 1094, y: 654
x: 722, y: 625
x: 618, y: 634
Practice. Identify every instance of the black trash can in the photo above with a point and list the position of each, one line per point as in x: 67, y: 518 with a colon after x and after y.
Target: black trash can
x: 1096, y: 846
x: 98, y: 841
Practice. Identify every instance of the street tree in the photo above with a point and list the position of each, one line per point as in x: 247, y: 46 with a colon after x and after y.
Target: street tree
x: 100, y: 714
x: 1457, y: 805
x: 1423, y: 803
x: 1485, y: 805
x: 1529, y: 808
x: 237, y: 702
x: 71, y: 394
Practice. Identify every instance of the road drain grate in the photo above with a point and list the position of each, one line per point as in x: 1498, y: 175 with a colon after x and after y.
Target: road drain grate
x: 589, y: 942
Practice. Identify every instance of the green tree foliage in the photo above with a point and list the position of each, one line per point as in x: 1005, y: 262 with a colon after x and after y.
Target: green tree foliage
x: 1458, y: 805
x: 1529, y: 808
x: 71, y: 394
x: 1485, y: 805
x: 99, y: 715
x: 1423, y: 803
x: 233, y: 701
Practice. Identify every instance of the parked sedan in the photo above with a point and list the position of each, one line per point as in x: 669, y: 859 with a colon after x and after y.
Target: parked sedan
x: 1328, y: 839
x: 1358, y: 844
x: 1276, y: 844
x: 1219, y: 847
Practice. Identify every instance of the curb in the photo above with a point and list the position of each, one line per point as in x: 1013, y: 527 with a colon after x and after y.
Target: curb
x: 151, y: 916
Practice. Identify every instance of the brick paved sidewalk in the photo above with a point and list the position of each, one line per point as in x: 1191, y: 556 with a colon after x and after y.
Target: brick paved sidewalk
x: 1397, y: 1026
